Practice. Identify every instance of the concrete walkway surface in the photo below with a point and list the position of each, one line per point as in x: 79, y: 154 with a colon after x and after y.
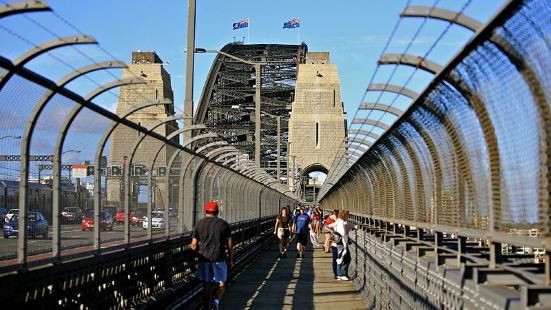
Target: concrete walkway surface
x: 291, y: 283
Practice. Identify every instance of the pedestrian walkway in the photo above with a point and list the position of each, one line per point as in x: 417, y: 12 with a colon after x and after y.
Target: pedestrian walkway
x: 291, y: 283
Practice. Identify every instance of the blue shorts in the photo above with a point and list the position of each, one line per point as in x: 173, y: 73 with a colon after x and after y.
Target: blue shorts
x: 213, y: 272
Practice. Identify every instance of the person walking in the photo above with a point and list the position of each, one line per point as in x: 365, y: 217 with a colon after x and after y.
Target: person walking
x: 212, y: 241
x: 327, y: 231
x: 282, y: 230
x: 315, y: 218
x: 341, y: 253
x: 301, y: 229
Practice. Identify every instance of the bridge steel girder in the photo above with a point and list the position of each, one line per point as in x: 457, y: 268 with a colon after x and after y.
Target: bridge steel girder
x: 217, y: 98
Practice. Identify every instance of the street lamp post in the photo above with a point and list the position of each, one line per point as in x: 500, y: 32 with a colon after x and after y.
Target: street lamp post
x: 278, y: 142
x: 257, y: 68
x: 190, y: 62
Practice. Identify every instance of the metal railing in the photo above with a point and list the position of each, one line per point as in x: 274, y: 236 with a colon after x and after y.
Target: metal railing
x: 467, y: 163
x: 162, y: 274
x: 131, y: 168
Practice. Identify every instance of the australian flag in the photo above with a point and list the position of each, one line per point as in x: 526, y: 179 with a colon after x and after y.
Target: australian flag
x: 293, y: 23
x: 241, y: 24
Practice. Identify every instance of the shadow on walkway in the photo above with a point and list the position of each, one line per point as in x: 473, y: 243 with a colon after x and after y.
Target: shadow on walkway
x: 291, y: 283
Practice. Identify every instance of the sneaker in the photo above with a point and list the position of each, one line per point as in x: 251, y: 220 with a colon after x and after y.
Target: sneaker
x: 343, y: 278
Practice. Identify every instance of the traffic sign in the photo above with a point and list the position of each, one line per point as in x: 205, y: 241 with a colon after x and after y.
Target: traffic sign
x: 161, y: 171
x: 115, y: 170
x: 139, y: 170
x: 79, y: 171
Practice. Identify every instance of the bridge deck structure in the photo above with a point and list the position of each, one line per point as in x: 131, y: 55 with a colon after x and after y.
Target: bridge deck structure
x: 291, y: 283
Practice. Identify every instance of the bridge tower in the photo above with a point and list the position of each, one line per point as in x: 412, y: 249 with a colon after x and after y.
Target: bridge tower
x: 318, y: 122
x: 149, y: 66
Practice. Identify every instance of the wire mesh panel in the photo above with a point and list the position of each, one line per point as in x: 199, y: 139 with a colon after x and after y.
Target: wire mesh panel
x: 96, y: 172
x: 473, y: 150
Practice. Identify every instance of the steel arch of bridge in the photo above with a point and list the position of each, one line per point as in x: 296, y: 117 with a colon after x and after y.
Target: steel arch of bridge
x: 227, y: 102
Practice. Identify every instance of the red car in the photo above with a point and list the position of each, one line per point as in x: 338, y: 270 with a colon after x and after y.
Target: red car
x: 105, y: 223
x: 119, y: 218
x: 135, y: 217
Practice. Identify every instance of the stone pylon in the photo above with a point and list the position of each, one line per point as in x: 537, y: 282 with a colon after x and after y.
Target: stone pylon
x: 317, y: 126
x: 148, y: 66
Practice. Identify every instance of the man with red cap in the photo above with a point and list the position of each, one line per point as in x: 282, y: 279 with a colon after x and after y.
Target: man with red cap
x: 211, y: 240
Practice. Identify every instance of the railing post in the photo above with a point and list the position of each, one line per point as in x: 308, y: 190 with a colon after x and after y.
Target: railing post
x: 495, y: 254
x: 438, y: 236
x: 419, y: 234
x: 406, y: 231
x: 461, y: 249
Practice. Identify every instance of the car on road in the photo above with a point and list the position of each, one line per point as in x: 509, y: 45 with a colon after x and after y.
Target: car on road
x: 37, y: 225
x: 158, y: 220
x: 10, y: 214
x: 119, y: 217
x: 71, y: 215
x: 105, y: 220
x: 138, y: 217
x: 135, y: 217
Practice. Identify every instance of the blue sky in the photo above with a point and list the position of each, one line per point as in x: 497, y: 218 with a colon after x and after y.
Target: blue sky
x: 354, y: 32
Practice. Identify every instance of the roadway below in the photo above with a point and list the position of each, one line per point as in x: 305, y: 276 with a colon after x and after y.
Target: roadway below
x: 72, y: 237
